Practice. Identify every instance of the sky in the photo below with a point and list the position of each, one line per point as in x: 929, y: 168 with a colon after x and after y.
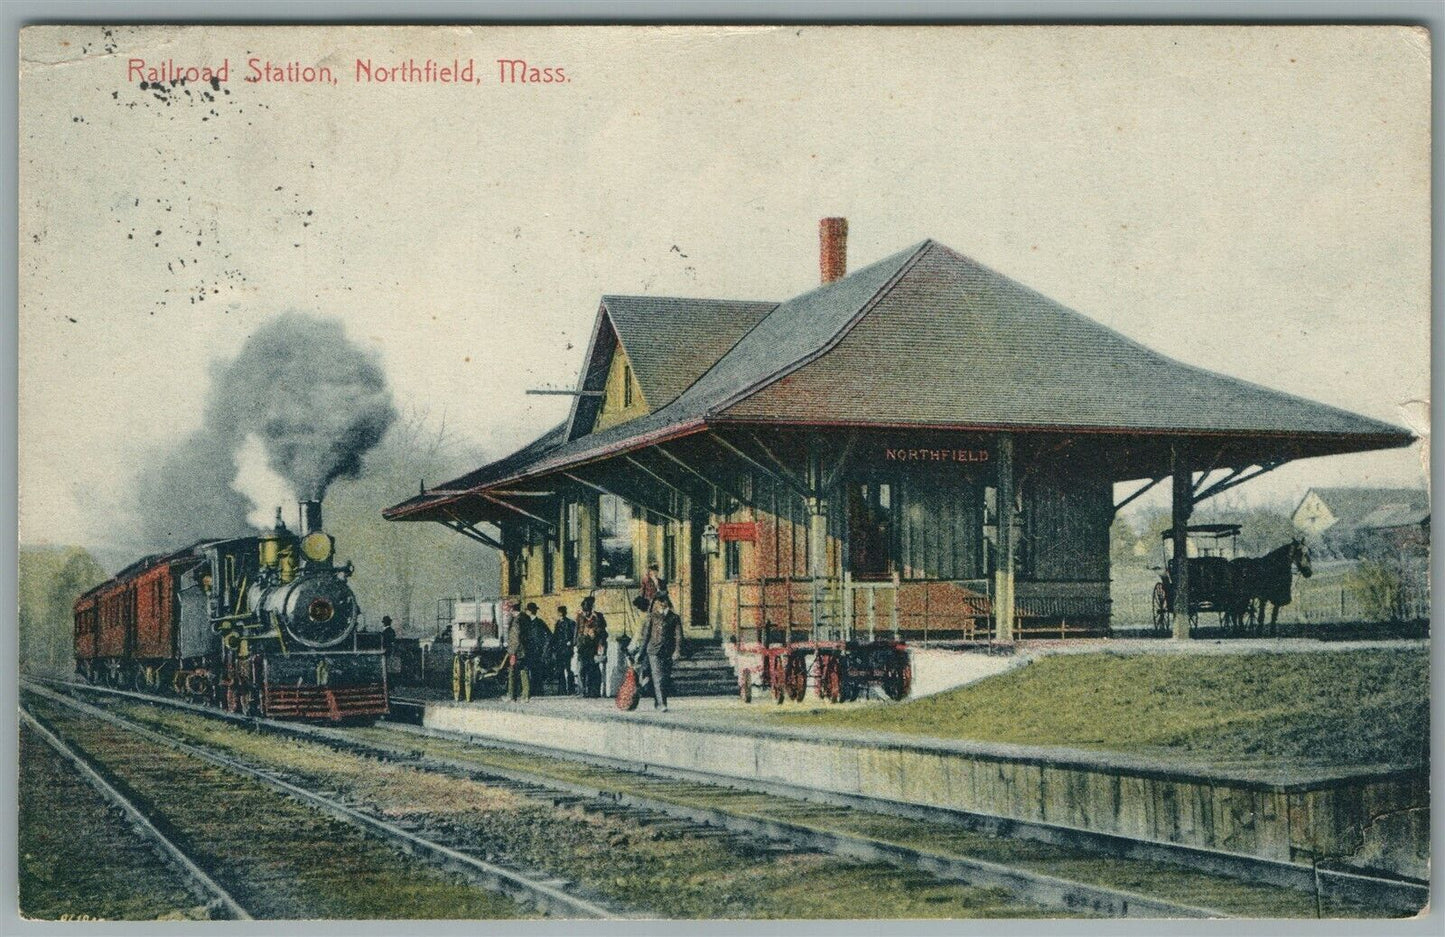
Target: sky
x: 1253, y: 200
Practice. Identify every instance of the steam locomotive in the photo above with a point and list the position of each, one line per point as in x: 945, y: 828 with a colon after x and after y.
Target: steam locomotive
x: 265, y: 625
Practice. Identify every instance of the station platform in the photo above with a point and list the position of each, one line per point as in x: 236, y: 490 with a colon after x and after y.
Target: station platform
x: 1368, y: 816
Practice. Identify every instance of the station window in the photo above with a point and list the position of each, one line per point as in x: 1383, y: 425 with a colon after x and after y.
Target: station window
x: 626, y: 385
x: 549, y: 565
x: 572, y: 544
x: 516, y: 569
x: 614, y: 534
x: 669, y: 553
x: 732, y: 559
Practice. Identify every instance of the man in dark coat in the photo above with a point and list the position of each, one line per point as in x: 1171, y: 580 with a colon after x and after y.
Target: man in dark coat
x: 519, y: 677
x: 591, y: 641
x: 658, y: 646
x: 564, y: 641
x: 539, y: 647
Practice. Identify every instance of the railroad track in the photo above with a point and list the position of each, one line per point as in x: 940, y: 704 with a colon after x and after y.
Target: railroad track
x: 1399, y: 896
x: 549, y: 896
x: 759, y: 878
x: 217, y: 898
x: 685, y: 799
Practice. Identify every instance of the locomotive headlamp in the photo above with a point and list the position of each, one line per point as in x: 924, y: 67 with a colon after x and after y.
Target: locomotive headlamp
x: 317, y: 546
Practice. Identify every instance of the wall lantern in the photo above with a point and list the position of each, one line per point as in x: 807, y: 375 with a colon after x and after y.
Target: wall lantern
x: 710, y: 540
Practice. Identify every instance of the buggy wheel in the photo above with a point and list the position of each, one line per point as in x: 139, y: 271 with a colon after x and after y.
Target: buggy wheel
x: 745, y: 685
x: 1160, y: 603
x: 830, y: 679
x: 797, y: 677
x: 774, y: 678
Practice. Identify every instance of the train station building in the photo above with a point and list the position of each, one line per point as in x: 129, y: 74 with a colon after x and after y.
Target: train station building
x: 922, y: 447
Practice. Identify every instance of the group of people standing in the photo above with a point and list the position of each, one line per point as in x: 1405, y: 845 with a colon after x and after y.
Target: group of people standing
x: 578, y: 656
x: 565, y: 659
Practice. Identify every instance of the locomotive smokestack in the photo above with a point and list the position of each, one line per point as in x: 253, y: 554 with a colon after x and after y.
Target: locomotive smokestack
x: 310, y: 517
x: 833, y: 248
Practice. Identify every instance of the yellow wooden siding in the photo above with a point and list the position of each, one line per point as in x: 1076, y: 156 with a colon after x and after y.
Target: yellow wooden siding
x: 622, y: 398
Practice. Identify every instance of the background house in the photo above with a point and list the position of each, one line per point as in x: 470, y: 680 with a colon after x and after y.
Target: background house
x: 1346, y: 523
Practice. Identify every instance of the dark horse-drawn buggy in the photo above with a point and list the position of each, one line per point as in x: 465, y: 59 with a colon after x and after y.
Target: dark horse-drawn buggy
x: 1241, y: 590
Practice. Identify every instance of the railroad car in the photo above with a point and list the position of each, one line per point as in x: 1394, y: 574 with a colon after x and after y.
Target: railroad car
x: 264, y: 625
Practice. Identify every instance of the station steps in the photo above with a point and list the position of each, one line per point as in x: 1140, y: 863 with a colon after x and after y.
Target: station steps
x: 703, y: 671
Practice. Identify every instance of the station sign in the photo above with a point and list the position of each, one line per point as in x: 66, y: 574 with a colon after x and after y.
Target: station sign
x: 739, y: 530
x: 931, y: 455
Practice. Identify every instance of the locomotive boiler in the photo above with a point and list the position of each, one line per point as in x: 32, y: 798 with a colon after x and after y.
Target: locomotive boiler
x: 265, y: 624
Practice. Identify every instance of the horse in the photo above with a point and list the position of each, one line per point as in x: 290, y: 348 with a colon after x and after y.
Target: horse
x: 1267, y: 580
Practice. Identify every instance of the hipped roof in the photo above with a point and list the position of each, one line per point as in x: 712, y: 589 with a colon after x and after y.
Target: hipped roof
x: 925, y: 338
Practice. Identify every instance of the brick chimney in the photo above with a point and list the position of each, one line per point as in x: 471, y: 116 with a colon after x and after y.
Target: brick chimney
x: 833, y: 248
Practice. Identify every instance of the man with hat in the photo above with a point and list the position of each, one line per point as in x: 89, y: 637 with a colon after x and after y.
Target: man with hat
x: 538, y: 640
x: 564, y: 642
x: 388, y: 641
x: 657, y: 646
x: 591, y: 644
x: 519, y: 676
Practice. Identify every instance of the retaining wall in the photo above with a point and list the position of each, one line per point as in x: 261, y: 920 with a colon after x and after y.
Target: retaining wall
x: 1371, y: 819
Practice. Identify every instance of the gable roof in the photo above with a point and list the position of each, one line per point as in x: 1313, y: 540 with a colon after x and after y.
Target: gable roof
x: 925, y: 337
x: 1373, y: 507
x: 669, y: 341
x: 1394, y: 515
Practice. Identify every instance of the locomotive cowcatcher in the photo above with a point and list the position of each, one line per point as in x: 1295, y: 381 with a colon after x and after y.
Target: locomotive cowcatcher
x: 265, y: 625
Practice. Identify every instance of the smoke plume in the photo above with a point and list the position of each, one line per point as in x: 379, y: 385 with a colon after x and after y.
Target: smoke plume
x: 298, y: 391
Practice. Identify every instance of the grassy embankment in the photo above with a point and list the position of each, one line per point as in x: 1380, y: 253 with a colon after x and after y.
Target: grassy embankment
x: 1325, y: 708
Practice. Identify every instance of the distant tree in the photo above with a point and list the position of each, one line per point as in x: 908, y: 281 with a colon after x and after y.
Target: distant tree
x: 1122, y: 541
x: 1151, y: 532
x: 50, y: 580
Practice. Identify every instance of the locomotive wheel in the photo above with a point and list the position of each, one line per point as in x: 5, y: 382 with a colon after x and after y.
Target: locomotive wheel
x: 745, y: 685
x: 797, y: 677
x: 1161, y: 607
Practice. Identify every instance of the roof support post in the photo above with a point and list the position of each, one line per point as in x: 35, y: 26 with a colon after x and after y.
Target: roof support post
x: 1183, y: 507
x: 817, y: 531
x: 1003, y: 589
